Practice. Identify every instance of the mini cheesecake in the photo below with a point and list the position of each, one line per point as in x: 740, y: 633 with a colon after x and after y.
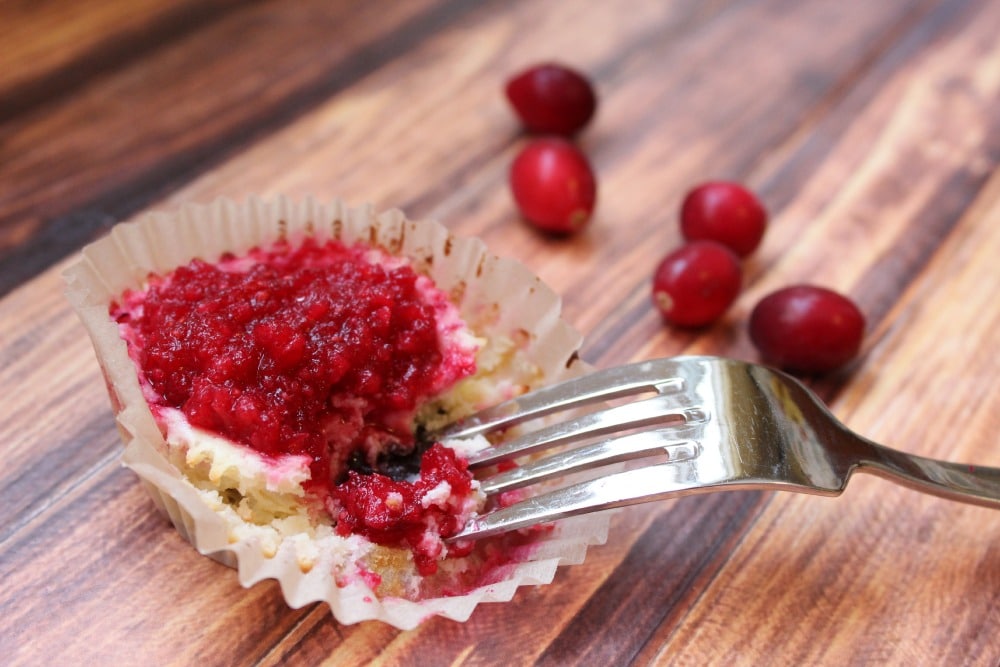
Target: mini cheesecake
x: 273, y: 366
x: 288, y: 381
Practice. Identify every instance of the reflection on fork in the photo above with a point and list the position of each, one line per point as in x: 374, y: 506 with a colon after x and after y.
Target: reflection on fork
x: 711, y: 424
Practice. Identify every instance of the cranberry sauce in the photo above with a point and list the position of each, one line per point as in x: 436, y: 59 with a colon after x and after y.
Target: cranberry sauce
x: 315, y: 350
x: 391, y: 512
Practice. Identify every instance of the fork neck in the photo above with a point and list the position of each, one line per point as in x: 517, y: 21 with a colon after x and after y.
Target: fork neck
x: 851, y: 452
x: 979, y: 485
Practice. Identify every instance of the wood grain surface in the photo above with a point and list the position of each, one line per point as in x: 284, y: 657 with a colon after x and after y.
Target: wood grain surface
x: 871, y: 130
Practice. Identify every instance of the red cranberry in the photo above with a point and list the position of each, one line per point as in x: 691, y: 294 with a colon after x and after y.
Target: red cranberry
x: 553, y: 99
x: 694, y: 285
x: 806, y: 328
x: 724, y: 212
x: 553, y: 185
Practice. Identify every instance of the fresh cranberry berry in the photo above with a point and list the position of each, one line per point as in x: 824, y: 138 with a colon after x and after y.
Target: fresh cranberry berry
x: 806, y: 328
x: 553, y: 185
x: 724, y: 212
x: 694, y: 285
x: 552, y: 99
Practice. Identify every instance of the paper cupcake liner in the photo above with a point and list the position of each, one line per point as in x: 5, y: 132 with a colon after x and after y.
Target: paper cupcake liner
x: 495, y: 296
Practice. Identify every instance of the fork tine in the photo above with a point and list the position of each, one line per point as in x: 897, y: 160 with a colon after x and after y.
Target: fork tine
x: 657, y: 482
x: 678, y: 443
x: 658, y: 375
x: 648, y: 412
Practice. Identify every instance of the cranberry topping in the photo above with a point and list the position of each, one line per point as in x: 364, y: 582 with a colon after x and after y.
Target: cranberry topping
x: 391, y: 512
x: 314, y: 350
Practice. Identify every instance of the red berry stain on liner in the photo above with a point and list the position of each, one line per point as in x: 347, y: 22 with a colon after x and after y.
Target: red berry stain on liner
x: 308, y: 351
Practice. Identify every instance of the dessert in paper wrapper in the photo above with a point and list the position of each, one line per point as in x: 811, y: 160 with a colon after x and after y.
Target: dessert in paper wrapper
x: 271, y: 514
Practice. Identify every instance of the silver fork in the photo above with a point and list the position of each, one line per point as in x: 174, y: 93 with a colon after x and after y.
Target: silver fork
x: 711, y: 424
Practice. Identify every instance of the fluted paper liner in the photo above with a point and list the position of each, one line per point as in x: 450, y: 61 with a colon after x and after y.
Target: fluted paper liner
x: 496, y: 296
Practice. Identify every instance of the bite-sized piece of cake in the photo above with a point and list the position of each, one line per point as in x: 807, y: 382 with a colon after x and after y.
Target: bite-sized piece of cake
x: 271, y: 364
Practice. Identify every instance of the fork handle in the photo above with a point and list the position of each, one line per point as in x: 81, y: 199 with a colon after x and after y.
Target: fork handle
x: 978, y: 485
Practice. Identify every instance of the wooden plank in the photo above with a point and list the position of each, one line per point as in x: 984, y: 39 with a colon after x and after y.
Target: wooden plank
x: 872, y: 571
x: 199, y: 100
x: 52, y: 48
x: 362, y: 124
x: 802, y: 179
x: 61, y: 431
x: 175, y: 607
x: 674, y: 580
x: 890, y: 30
x: 635, y: 220
x: 499, y: 613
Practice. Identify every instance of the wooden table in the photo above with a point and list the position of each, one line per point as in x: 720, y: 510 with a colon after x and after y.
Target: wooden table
x: 871, y: 130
